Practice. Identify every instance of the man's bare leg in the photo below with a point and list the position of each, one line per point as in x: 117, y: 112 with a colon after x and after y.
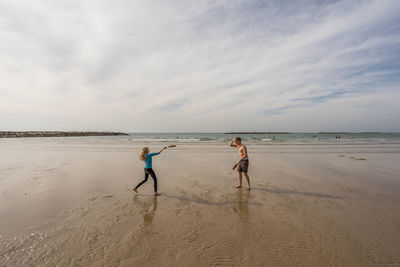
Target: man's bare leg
x: 248, y: 180
x: 240, y: 181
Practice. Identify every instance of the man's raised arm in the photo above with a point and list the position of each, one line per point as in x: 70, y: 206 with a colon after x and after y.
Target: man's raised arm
x: 231, y: 143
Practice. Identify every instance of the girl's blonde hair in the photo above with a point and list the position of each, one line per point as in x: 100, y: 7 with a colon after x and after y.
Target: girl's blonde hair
x: 143, y: 153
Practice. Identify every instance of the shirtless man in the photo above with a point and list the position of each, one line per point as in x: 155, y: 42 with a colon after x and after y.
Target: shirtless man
x: 243, y: 162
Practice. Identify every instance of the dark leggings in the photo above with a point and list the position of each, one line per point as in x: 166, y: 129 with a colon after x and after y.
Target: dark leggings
x: 148, y: 172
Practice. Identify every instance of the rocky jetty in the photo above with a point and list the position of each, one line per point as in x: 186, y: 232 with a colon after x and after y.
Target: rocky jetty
x: 8, y: 134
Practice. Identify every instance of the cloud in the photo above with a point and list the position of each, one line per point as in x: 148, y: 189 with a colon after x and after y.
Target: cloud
x: 197, y: 66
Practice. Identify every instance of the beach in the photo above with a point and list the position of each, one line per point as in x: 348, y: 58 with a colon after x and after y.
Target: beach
x: 69, y: 202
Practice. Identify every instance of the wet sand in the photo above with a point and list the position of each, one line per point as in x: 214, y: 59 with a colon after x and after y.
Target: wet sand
x: 71, y: 205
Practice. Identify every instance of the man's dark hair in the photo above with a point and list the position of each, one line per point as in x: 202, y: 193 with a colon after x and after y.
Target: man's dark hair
x: 238, y: 139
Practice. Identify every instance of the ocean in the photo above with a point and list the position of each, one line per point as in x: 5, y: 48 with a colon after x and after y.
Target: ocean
x: 270, y: 138
x: 257, y: 138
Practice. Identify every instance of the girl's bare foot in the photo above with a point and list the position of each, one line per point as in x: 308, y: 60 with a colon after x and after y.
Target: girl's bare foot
x: 238, y: 186
x: 248, y: 188
x: 157, y: 194
x: 135, y: 190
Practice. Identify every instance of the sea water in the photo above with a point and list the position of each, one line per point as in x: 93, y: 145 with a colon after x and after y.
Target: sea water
x: 268, y: 138
x: 256, y: 138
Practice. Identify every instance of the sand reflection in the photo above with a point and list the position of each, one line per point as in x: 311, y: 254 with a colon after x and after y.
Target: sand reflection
x: 148, y: 208
x: 242, y: 204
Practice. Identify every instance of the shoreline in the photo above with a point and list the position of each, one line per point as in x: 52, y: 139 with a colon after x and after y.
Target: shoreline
x: 17, y: 134
x: 257, y: 133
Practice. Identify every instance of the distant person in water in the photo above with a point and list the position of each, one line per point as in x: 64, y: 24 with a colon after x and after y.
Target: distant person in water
x: 243, y: 163
x: 148, y: 170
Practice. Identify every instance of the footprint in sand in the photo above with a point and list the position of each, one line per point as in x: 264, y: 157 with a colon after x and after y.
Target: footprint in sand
x: 355, y: 158
x: 92, y: 199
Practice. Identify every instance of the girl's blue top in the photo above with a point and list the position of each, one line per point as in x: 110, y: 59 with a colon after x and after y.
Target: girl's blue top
x: 148, y: 162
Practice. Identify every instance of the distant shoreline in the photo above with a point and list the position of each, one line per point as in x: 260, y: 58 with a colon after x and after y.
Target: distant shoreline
x: 12, y: 134
x: 311, y: 133
x: 257, y: 133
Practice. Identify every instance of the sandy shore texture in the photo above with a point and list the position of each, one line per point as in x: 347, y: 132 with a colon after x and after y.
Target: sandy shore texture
x: 311, y: 205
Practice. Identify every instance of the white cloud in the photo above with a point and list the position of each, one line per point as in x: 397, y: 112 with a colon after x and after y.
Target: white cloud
x: 198, y: 66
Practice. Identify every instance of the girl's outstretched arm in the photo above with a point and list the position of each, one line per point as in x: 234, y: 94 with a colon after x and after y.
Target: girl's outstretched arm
x: 162, y: 149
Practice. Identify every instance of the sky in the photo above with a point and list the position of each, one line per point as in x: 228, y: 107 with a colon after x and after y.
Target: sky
x: 200, y: 66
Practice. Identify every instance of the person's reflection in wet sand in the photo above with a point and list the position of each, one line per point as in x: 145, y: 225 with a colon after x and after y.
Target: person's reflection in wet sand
x: 147, y: 211
x: 149, y: 215
x: 242, y: 204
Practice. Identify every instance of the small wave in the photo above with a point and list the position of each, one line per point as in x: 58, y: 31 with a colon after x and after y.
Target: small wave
x: 207, y: 139
x: 163, y: 139
x: 266, y: 139
x: 188, y: 140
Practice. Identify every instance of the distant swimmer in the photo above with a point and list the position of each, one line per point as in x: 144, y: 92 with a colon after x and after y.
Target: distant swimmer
x: 148, y: 168
x: 243, y: 163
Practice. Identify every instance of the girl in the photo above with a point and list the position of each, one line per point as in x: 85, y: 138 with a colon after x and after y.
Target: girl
x: 147, y: 158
